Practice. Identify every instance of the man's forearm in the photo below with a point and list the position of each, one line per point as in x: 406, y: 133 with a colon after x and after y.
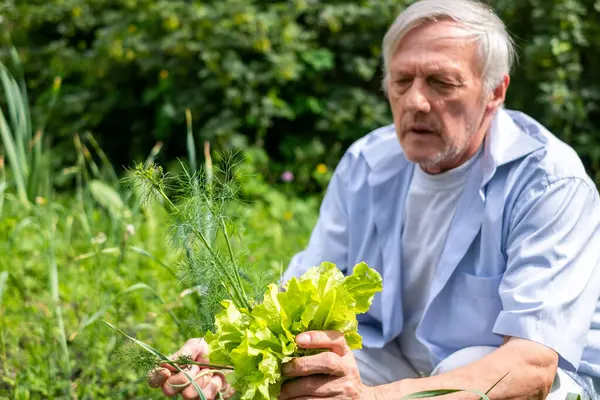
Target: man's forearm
x: 530, y: 367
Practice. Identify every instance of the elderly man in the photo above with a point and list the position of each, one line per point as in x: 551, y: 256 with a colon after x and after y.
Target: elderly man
x: 484, y: 226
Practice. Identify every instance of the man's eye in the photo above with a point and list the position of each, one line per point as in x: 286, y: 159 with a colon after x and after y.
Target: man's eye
x: 403, y: 81
x: 443, y: 84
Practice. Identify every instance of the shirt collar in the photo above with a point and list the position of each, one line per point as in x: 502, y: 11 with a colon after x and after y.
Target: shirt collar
x: 505, y: 142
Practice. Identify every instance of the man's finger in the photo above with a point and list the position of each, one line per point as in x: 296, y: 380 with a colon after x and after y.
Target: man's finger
x: 194, y: 348
x: 178, y: 382
x: 332, y: 340
x: 306, y: 398
x: 158, y: 376
x: 326, y: 363
x: 209, y: 389
x: 316, y: 386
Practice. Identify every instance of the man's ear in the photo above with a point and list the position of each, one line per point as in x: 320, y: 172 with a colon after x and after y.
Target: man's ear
x: 498, y: 95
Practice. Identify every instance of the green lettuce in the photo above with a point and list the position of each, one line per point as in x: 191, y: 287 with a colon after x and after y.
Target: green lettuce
x: 257, y: 343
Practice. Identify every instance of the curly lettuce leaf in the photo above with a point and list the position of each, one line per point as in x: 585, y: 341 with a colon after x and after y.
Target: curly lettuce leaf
x: 257, y: 343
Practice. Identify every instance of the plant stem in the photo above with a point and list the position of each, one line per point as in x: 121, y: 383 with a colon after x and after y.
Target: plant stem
x: 232, y: 257
x: 238, y: 297
x: 55, y: 295
x: 242, y: 301
x: 167, y: 199
x: 213, y: 366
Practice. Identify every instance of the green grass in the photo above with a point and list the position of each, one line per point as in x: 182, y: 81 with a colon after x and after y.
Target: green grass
x: 63, y: 269
x: 70, y: 261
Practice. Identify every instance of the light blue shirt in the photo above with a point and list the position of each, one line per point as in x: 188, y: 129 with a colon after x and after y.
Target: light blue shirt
x: 522, y: 256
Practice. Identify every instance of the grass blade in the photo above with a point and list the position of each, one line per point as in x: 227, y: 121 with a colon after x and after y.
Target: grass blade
x: 103, y: 157
x: 135, y: 249
x: 108, y: 250
x: 20, y: 126
x: 436, y: 393
x: 55, y: 296
x: 143, y: 286
x: 2, y: 184
x: 107, y: 197
x: 14, y: 55
x: 88, y: 321
x: 153, y: 154
x: 37, y: 169
x: 91, y: 162
x: 83, y: 179
x: 18, y: 113
x: 13, y: 158
x: 191, y: 145
x: 158, y: 355
x: 431, y: 393
x: 573, y: 396
x: 7, y: 86
x: 496, y: 384
x: 145, y: 253
x: 98, y: 314
x: 3, y: 279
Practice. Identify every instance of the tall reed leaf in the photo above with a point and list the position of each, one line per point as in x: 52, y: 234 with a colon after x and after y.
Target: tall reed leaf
x: 106, y: 164
x: 108, y: 198
x: 191, y: 144
x: 118, y: 251
x: 29, y: 164
x: 436, y: 393
x: 2, y: 184
x: 14, y: 159
x: 18, y: 113
x: 3, y: 280
x: 53, y: 284
x: 98, y: 314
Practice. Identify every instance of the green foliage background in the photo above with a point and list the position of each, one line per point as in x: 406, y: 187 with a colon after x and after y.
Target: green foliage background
x: 298, y: 78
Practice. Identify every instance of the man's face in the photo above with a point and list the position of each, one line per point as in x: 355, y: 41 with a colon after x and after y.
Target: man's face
x: 436, y: 95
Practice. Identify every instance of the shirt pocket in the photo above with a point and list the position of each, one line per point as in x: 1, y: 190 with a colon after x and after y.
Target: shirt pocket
x: 473, y: 287
x: 474, y: 304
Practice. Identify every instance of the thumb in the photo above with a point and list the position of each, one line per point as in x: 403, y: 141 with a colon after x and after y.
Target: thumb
x: 158, y: 376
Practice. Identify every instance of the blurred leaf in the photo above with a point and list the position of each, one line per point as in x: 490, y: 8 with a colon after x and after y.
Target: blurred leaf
x: 3, y: 279
x: 107, y: 197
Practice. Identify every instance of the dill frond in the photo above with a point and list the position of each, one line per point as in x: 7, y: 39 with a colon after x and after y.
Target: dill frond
x: 204, y: 207
x: 135, y: 357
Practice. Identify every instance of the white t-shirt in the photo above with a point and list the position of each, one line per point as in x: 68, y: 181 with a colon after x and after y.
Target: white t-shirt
x: 428, y: 213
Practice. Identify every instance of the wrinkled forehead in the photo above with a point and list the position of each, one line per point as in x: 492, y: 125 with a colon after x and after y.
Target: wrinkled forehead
x: 437, y: 45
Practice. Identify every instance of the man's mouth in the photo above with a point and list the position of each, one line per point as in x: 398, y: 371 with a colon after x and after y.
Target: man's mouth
x: 421, y: 130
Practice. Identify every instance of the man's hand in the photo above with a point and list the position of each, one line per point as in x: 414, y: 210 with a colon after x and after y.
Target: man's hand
x: 331, y: 374
x: 173, y: 382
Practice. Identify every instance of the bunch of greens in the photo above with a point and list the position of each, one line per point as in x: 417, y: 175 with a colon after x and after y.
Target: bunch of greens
x: 247, y: 317
x: 256, y: 342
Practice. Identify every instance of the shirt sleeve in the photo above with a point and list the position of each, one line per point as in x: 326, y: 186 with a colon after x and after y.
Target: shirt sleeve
x: 551, y: 285
x: 329, y: 238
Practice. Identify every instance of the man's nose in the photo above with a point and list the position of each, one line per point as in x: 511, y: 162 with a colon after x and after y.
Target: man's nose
x: 415, y: 98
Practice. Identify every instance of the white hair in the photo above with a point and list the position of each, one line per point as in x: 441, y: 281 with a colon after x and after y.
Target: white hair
x: 495, y: 47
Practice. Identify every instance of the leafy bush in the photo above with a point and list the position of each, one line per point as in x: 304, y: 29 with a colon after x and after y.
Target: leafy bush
x: 297, y: 78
